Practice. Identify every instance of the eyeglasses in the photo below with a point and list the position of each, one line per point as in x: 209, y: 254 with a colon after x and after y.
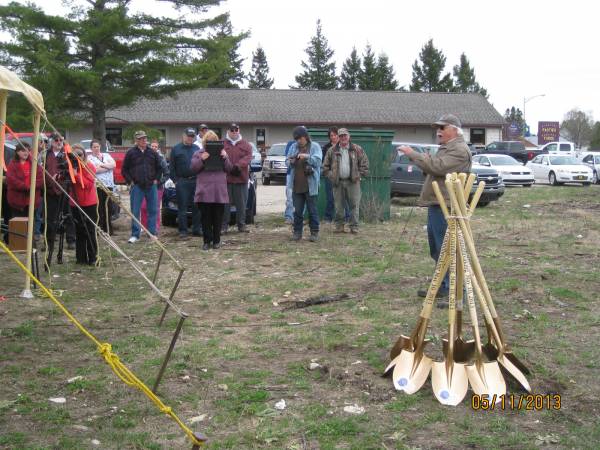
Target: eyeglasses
x: 234, y: 129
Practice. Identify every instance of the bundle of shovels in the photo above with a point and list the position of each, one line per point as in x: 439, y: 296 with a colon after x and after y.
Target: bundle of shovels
x: 466, y: 362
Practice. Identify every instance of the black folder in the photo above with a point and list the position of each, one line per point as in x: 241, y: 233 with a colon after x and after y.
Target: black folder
x: 214, y: 162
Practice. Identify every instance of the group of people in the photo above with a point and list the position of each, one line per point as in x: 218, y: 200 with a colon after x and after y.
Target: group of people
x: 208, y: 188
x: 210, y: 175
x: 343, y: 165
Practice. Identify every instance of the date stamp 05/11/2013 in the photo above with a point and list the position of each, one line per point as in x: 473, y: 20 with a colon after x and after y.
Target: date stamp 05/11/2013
x: 524, y: 402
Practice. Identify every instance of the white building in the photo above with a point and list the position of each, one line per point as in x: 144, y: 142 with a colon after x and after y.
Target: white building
x: 267, y: 116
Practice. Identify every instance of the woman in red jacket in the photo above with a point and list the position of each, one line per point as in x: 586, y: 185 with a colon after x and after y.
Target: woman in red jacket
x: 84, y: 193
x: 18, y: 176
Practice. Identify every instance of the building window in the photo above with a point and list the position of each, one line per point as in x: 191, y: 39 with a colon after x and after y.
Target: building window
x: 261, y: 137
x: 478, y: 136
x: 114, y: 136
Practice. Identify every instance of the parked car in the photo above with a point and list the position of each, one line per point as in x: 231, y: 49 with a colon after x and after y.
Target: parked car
x: 562, y: 148
x: 559, y: 169
x: 256, y: 163
x: 592, y: 160
x: 407, y: 178
x: 516, y: 149
x: 118, y: 156
x: 274, y: 166
x: 513, y: 173
x: 26, y: 138
x: 168, y: 213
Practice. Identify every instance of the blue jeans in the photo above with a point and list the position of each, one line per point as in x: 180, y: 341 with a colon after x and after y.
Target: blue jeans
x: 330, y: 204
x: 37, y: 227
x: 137, y: 195
x: 289, y: 202
x: 310, y: 201
x: 436, y: 229
x: 185, y: 189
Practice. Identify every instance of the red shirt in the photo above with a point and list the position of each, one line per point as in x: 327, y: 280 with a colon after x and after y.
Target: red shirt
x: 86, y: 195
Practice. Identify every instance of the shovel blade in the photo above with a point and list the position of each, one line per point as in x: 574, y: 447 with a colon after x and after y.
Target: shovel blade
x: 403, y: 343
x: 492, y: 352
x: 487, y: 379
x: 514, y: 371
x: 410, y: 371
x: 449, y: 386
x: 463, y: 351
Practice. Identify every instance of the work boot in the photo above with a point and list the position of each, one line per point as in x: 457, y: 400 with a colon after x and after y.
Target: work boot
x: 314, y: 236
x: 354, y: 230
x: 243, y: 229
x: 442, y: 304
x: 296, y: 236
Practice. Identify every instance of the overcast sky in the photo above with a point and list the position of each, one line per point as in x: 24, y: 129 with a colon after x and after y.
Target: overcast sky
x: 519, y: 49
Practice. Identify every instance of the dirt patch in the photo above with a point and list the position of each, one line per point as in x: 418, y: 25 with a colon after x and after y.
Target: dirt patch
x: 241, y: 350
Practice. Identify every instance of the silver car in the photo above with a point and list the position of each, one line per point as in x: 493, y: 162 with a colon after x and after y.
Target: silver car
x: 274, y: 165
x: 592, y: 160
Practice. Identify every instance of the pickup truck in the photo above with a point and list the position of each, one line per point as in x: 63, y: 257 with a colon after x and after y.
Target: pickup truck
x: 516, y: 149
x: 559, y: 148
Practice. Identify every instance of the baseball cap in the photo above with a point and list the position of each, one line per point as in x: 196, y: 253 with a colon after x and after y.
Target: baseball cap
x: 343, y: 131
x: 203, y: 126
x: 140, y: 134
x: 447, y: 119
x: 233, y: 127
x: 190, y: 131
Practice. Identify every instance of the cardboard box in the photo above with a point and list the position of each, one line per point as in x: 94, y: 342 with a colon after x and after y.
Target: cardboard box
x: 17, y: 225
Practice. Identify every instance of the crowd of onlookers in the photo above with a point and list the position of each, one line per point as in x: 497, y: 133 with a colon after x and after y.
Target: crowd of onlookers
x: 210, y: 176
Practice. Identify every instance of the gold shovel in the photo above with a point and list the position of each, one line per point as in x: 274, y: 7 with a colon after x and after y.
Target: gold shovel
x: 485, y: 377
x: 485, y: 297
x: 490, y: 350
x: 411, y: 366
x: 463, y: 351
x: 449, y: 378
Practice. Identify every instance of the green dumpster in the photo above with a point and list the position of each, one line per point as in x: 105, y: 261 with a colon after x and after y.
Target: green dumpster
x: 375, y: 198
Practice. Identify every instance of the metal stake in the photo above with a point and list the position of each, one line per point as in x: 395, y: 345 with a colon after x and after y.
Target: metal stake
x: 171, y: 297
x: 157, y: 266
x: 168, y: 355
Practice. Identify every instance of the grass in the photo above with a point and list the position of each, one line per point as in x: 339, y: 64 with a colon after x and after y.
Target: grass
x: 241, y: 351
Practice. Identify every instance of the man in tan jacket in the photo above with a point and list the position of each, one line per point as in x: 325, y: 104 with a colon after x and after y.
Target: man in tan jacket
x: 452, y: 156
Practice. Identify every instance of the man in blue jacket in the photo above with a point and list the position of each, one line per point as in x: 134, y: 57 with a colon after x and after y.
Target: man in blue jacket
x: 304, y: 160
x: 185, y: 183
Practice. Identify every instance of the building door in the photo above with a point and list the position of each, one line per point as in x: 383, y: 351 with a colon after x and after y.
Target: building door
x: 261, y: 137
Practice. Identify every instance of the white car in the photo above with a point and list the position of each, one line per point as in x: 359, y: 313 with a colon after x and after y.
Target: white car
x: 592, y: 160
x: 512, y: 171
x: 559, y: 148
x: 559, y: 169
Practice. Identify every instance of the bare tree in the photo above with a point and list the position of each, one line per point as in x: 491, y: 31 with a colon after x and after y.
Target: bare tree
x: 577, y: 127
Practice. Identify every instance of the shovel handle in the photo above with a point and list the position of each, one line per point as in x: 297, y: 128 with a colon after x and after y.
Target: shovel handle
x: 470, y: 295
x: 479, y: 275
x: 452, y: 287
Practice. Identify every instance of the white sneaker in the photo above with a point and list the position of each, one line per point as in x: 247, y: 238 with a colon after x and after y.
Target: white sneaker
x: 132, y: 240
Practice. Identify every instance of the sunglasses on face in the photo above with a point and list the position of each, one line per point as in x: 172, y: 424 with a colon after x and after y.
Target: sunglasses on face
x: 234, y: 130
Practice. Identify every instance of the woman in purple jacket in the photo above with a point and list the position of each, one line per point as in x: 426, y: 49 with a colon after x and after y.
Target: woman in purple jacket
x: 211, y: 192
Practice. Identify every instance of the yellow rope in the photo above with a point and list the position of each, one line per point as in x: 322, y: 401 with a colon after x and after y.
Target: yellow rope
x: 105, y: 349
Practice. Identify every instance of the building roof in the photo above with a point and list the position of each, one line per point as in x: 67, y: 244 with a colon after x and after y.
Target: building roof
x: 310, y: 107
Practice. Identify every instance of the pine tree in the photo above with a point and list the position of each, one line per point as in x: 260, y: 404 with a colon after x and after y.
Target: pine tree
x: 367, y: 79
x: 464, y: 78
x: 101, y: 56
x: 427, y: 76
x: 231, y: 74
x: 385, y: 74
x: 351, y: 70
x: 319, y: 72
x: 258, y: 78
